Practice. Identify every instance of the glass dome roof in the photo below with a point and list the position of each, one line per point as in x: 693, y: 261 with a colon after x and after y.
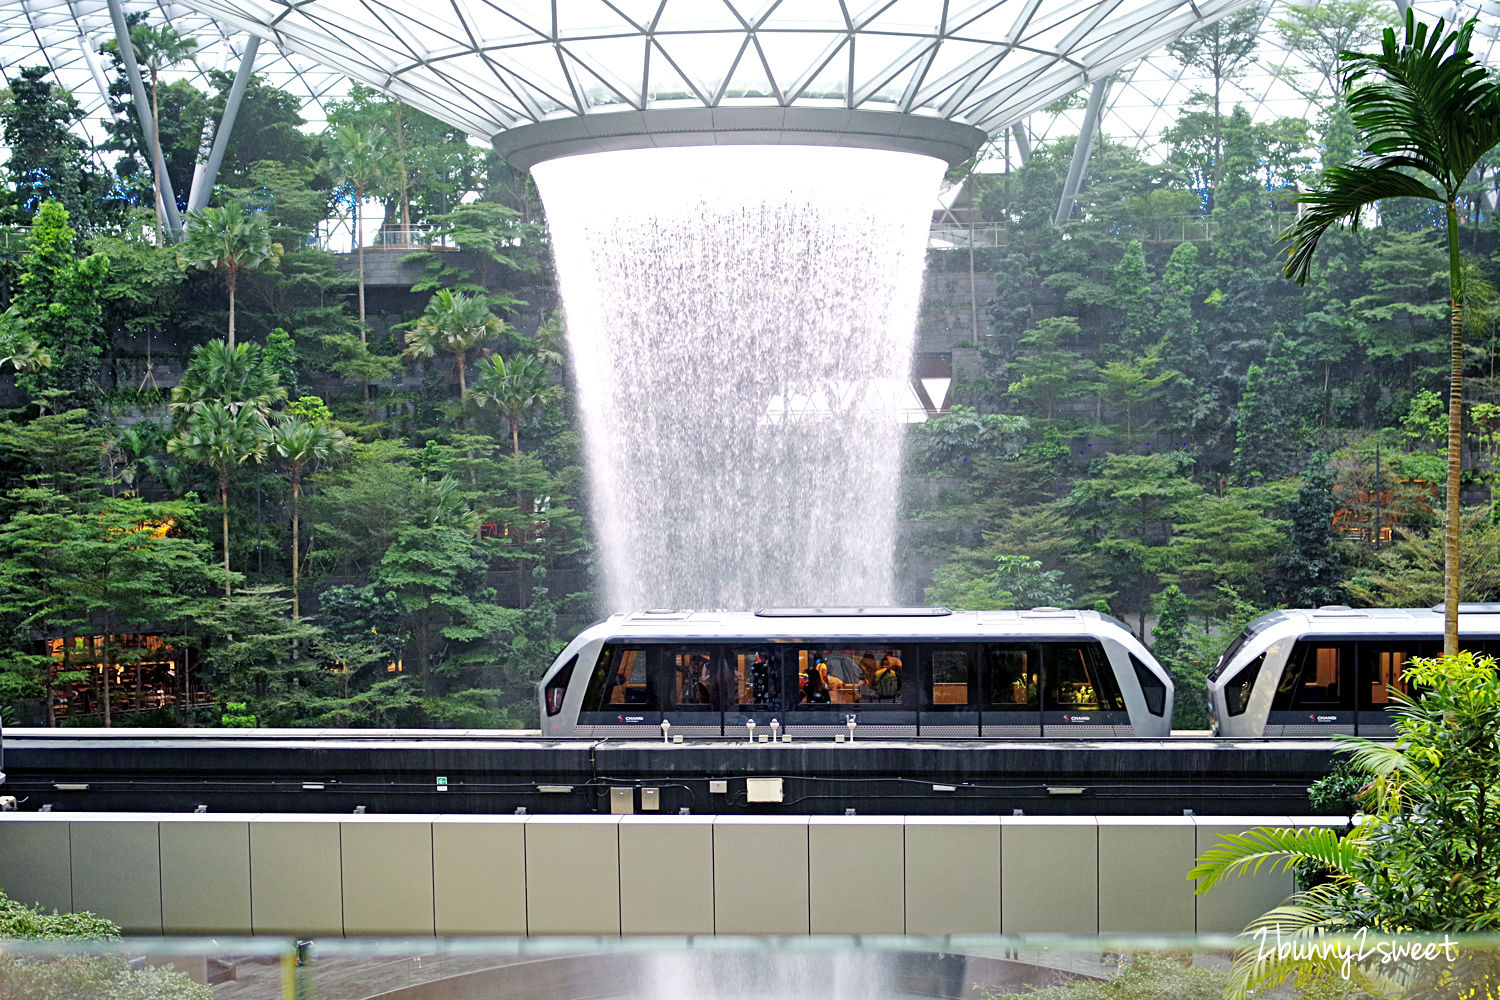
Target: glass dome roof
x: 491, y: 65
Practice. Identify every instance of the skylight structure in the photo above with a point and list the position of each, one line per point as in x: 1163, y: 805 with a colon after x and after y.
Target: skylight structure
x: 544, y: 79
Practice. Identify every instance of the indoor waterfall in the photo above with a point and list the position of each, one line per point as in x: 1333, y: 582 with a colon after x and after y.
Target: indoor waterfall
x: 741, y: 321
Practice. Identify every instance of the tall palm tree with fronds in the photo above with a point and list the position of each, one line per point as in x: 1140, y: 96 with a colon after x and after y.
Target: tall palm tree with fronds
x: 238, y: 377
x: 453, y: 323
x: 515, y: 389
x: 221, y: 437
x: 158, y: 48
x: 230, y: 241
x: 300, y: 444
x: 1428, y: 112
x: 361, y: 159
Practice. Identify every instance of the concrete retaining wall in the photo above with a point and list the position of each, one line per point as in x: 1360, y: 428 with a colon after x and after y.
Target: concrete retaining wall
x: 382, y: 875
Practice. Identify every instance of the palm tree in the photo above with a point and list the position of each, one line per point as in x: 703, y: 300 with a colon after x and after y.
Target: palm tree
x: 238, y: 377
x: 515, y: 388
x: 453, y: 323
x: 221, y: 437
x: 157, y: 49
x: 360, y: 159
x: 1428, y: 113
x: 301, y: 444
x: 230, y: 241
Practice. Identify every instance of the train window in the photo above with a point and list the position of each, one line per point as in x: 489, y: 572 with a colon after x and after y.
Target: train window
x: 1316, y: 676
x: 1012, y: 677
x: 1381, y: 665
x: 950, y: 676
x: 1152, y: 687
x: 1078, y: 675
x: 692, y: 677
x: 1237, y: 689
x: 557, y: 687
x: 619, y: 678
x: 754, y: 679
x: 867, y: 675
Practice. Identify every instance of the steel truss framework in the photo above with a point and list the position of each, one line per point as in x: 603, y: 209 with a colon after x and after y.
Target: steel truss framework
x: 491, y: 65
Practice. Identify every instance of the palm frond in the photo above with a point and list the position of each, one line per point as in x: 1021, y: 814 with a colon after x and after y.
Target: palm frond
x: 1346, y: 191
x: 1276, y: 847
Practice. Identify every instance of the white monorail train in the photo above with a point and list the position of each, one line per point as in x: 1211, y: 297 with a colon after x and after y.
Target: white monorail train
x: 899, y: 672
x: 1316, y: 672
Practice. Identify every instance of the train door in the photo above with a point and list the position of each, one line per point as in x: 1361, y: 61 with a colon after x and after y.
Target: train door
x: 1380, y: 666
x: 752, y: 686
x: 868, y: 680
x: 695, y: 680
x: 1080, y: 695
x: 950, y: 705
x: 621, y: 699
x: 1012, y: 689
x: 1315, y: 696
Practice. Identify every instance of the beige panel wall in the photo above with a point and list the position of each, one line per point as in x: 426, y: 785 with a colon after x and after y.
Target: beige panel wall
x: 1049, y: 875
x: 953, y: 875
x: 1234, y: 902
x: 760, y: 874
x: 35, y: 864
x: 666, y: 874
x: 572, y: 875
x: 479, y: 875
x: 1143, y: 866
x: 117, y: 870
x: 856, y: 875
x: 291, y: 875
x: 387, y: 875
x: 205, y: 866
x: 296, y: 876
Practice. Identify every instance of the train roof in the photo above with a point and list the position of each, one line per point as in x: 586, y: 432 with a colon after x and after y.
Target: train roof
x: 1341, y: 619
x: 872, y: 621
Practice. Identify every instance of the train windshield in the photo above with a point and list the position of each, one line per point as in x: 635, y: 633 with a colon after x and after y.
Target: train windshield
x: 1251, y: 630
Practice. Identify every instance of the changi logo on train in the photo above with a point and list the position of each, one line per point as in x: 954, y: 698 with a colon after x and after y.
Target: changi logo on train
x: 1075, y: 718
x: 631, y: 718
x: 1322, y: 718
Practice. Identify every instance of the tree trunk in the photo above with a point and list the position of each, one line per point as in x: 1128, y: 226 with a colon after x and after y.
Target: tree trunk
x: 232, y: 277
x: 463, y: 385
x: 296, y: 576
x: 515, y: 436
x: 1455, y: 436
x: 106, y: 670
x: 224, y: 518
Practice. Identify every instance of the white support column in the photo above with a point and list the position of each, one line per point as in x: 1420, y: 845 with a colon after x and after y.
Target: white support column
x: 203, y: 183
x: 167, y: 207
x: 1081, y: 152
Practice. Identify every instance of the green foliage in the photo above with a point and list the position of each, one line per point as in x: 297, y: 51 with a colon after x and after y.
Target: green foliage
x: 58, y: 309
x: 67, y: 976
x: 1424, y: 859
x: 47, y: 162
x: 1143, y: 976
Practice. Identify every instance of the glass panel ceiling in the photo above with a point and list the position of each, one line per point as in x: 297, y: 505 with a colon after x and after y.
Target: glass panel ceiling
x: 490, y: 65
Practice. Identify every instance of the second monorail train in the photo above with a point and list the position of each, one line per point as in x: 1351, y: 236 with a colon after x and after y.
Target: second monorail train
x: 1317, y: 672
x: 894, y: 672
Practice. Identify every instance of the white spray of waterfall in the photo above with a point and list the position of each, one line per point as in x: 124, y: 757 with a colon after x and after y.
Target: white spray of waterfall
x: 741, y: 319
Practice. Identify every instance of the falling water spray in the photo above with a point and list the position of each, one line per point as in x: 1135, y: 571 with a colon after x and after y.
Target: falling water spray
x: 741, y: 321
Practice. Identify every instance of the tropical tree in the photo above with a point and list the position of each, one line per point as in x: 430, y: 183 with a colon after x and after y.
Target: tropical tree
x: 515, y: 389
x: 230, y: 241
x: 221, y: 437
x: 157, y: 48
x: 453, y: 323
x: 1428, y: 112
x: 300, y: 444
x: 238, y: 377
x: 1425, y: 858
x: 361, y: 159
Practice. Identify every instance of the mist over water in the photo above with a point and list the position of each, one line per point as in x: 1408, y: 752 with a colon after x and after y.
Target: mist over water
x: 741, y: 321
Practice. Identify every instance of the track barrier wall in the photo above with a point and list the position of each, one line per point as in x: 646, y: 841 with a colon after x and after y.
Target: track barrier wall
x: 536, y: 875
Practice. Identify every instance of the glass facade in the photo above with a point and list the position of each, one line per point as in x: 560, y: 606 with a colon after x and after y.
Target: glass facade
x: 489, y: 66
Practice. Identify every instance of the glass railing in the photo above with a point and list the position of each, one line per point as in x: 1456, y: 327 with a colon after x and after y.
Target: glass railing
x: 762, y: 968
